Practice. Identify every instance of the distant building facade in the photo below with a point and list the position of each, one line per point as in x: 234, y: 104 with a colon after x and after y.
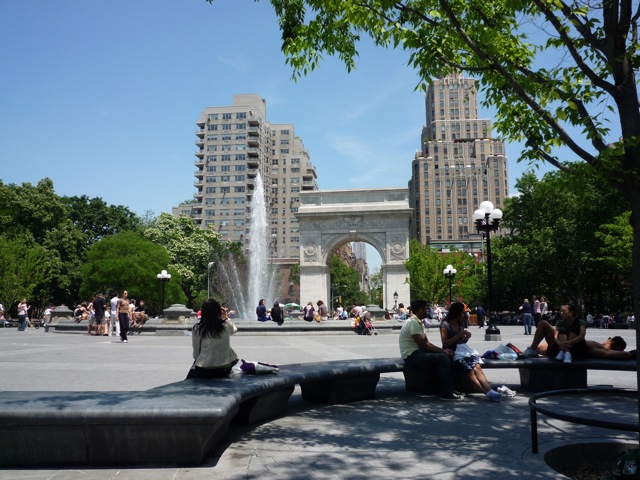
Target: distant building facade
x: 459, y: 166
x: 234, y: 143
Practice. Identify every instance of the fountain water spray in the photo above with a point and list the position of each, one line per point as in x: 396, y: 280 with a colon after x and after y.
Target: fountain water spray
x: 261, y: 278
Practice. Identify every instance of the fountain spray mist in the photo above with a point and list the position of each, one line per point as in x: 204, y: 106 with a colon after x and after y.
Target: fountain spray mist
x: 260, y: 280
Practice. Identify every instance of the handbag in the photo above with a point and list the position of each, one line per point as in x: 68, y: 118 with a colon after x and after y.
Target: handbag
x: 256, y: 368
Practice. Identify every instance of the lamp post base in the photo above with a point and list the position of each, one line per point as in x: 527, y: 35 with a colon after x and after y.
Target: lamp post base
x: 492, y: 332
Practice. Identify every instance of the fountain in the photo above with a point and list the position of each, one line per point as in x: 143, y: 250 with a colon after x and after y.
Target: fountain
x: 260, y: 278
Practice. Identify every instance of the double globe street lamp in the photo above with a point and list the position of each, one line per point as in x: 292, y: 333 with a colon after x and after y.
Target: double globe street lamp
x: 487, y: 220
x: 450, y: 273
x: 164, y: 277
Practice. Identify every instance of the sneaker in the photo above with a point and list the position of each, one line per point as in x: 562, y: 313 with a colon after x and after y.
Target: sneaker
x: 494, y: 396
x: 560, y: 356
x: 567, y: 357
x: 530, y: 352
x: 451, y: 396
x: 506, y: 391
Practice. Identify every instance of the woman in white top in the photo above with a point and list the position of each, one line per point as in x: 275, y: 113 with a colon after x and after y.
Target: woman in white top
x: 212, y: 350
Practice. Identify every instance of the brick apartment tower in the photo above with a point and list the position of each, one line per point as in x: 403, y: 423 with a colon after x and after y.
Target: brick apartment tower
x: 459, y: 167
x: 234, y: 143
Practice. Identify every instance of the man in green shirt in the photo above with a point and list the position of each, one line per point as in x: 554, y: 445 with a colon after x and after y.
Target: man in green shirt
x: 416, y: 350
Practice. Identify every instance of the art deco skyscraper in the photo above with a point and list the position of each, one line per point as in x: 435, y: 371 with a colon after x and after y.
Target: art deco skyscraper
x: 459, y: 166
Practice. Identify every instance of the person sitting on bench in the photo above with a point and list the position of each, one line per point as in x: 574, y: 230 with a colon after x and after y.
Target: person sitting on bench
x: 416, y: 350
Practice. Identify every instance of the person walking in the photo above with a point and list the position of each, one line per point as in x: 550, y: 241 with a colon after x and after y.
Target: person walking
x: 114, y: 327
x: 527, y: 317
x: 122, y: 308
x: 537, y: 312
x: 480, y: 313
x: 99, y: 304
x: 23, y: 310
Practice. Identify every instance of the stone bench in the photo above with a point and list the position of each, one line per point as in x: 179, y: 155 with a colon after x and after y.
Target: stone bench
x: 178, y: 423
x: 184, y: 422
x: 536, y: 374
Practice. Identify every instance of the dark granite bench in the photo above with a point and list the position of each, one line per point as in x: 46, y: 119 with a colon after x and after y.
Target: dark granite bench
x: 536, y: 374
x: 184, y: 422
x: 180, y: 423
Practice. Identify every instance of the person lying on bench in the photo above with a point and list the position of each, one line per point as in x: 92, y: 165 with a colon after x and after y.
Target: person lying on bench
x: 611, y: 349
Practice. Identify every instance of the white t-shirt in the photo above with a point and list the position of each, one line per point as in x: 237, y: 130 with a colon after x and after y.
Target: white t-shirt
x: 114, y: 305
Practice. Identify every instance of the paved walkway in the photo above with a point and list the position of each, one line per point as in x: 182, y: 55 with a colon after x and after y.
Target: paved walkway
x: 397, y: 435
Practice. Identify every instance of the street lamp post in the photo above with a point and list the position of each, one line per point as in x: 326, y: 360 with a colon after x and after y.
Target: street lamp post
x: 450, y: 272
x: 395, y: 301
x: 487, y: 220
x: 164, y: 277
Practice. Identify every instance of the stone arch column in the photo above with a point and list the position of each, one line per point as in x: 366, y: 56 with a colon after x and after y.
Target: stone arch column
x: 330, y: 218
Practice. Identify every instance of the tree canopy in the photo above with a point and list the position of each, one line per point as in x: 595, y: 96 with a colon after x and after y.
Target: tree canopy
x: 128, y: 261
x: 557, y: 247
x: 558, y: 74
x: 190, y: 249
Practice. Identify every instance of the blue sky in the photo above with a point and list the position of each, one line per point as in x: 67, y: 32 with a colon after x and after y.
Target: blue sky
x: 102, y: 97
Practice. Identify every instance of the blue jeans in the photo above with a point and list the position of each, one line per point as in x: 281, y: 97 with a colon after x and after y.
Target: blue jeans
x: 22, y: 323
x: 438, y: 362
x: 527, y: 319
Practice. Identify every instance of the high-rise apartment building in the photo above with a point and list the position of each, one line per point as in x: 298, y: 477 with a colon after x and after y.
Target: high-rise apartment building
x: 234, y: 144
x: 459, y: 166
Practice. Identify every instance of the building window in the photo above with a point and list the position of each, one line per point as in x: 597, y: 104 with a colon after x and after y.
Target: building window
x: 238, y: 189
x: 212, y: 128
x: 226, y: 116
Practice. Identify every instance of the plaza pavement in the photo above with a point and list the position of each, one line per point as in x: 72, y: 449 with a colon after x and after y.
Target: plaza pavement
x: 397, y: 435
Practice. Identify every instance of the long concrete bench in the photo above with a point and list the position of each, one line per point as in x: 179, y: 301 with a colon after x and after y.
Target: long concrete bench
x: 184, y: 422
x: 536, y: 374
x: 180, y: 423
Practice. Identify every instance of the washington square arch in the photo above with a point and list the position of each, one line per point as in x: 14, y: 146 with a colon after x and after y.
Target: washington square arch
x: 330, y: 218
